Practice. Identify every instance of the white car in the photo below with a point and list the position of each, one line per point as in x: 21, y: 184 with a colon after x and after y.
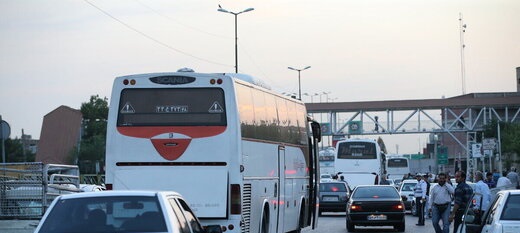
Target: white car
x: 91, y: 188
x: 502, y: 216
x: 325, y: 178
x: 406, y: 190
x: 121, y: 211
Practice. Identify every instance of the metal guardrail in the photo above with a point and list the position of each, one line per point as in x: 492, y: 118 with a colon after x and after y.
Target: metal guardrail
x: 27, y: 189
x: 97, y: 179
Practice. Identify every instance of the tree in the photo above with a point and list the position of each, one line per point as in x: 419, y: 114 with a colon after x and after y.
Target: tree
x: 14, y: 152
x: 509, y: 139
x: 92, y: 146
x: 95, y: 114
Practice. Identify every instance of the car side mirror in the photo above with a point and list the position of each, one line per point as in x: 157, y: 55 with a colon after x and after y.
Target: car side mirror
x: 404, y: 198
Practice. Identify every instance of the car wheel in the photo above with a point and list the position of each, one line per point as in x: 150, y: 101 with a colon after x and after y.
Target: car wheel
x: 350, y: 227
x: 400, y: 227
x: 414, y: 209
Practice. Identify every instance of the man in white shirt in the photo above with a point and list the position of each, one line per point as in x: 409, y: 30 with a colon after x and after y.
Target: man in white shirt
x: 440, y: 204
x: 513, y: 177
x: 485, y: 195
x: 503, y: 181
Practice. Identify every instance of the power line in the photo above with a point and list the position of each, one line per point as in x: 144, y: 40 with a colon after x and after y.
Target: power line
x: 153, y: 39
x: 179, y: 22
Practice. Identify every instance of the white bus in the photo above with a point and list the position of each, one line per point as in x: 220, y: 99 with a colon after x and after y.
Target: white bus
x: 360, y: 161
x: 244, y: 157
x: 326, y: 159
x: 397, y: 167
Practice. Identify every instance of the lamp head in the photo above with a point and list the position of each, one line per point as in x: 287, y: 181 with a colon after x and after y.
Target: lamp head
x: 222, y: 10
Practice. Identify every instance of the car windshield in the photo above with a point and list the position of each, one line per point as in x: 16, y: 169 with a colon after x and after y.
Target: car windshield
x: 512, y: 208
x: 333, y: 187
x: 105, y: 214
x: 375, y: 192
x: 407, y: 187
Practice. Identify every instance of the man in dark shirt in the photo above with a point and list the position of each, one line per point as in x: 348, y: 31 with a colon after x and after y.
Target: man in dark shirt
x: 463, y: 194
x: 489, y: 180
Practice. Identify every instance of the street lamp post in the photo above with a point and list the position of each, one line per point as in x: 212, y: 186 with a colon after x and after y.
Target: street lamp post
x: 311, y: 95
x: 299, y: 82
x: 236, y: 34
x: 326, y: 95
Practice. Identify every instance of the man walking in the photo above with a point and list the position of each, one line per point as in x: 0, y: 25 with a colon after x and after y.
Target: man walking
x: 425, y: 203
x: 489, y: 180
x: 503, y: 182
x: 462, y: 195
x: 440, y: 203
x: 420, y: 198
x: 513, y: 177
x: 481, y: 201
x: 384, y: 181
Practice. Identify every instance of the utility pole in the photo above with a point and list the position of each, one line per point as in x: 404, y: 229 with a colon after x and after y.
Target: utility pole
x: 23, y: 147
x: 462, y: 27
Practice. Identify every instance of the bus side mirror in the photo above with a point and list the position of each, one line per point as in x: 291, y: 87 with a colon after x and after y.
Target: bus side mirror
x: 469, y: 218
x: 316, y: 130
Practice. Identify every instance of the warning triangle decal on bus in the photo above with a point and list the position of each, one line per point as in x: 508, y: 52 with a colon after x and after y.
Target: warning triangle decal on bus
x: 127, y: 108
x: 216, y: 108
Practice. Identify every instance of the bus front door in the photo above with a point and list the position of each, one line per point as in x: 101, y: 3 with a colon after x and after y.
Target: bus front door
x: 281, y: 190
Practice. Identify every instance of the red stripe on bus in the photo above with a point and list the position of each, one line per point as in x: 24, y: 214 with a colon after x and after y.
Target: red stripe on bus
x: 171, y: 149
x: 151, y: 131
x: 131, y: 164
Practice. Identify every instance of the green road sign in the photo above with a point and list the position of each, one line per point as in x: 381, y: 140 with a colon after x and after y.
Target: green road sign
x: 442, y: 155
x: 325, y: 129
x: 355, y: 127
x: 416, y: 156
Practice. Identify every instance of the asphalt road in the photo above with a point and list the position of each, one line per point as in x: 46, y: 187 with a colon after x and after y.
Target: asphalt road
x: 328, y: 223
x: 335, y: 223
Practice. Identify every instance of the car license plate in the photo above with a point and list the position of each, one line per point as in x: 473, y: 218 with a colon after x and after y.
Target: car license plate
x: 330, y: 199
x: 374, y: 217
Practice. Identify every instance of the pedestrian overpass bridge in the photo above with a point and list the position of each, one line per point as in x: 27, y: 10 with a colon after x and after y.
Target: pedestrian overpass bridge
x: 461, y: 114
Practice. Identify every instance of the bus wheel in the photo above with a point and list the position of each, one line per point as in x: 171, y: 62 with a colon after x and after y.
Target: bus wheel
x: 264, y: 226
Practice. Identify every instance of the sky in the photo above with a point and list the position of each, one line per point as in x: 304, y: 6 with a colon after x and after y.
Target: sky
x: 60, y: 52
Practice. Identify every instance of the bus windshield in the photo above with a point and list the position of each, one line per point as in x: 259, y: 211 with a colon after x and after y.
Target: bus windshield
x: 357, y: 150
x: 392, y: 162
x: 172, y: 107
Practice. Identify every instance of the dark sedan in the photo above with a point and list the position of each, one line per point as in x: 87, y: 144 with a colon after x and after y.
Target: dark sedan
x: 375, y: 205
x: 333, y: 197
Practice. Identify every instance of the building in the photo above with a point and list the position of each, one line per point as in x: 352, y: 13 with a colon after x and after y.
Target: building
x: 471, y: 121
x: 60, y: 134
